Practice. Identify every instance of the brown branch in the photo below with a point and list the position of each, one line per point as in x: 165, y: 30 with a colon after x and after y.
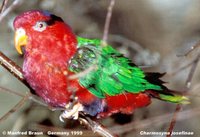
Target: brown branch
x: 187, y: 86
x: 12, y: 67
x: 173, y: 120
x: 107, y: 22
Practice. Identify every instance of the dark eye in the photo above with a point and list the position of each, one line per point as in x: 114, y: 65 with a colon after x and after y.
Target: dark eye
x: 40, y: 26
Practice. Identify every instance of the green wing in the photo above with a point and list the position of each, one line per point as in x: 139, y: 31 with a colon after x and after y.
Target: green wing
x: 113, y: 74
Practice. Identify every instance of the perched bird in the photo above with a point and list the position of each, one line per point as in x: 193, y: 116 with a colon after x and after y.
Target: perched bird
x: 79, y: 74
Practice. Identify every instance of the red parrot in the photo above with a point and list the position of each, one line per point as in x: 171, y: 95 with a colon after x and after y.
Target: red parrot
x: 53, y: 54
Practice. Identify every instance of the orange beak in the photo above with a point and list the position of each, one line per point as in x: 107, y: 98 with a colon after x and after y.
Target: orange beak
x: 20, y: 40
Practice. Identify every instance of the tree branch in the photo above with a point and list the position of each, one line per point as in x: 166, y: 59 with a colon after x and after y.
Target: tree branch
x: 18, y: 105
x: 187, y: 87
x: 195, y: 46
x: 95, y: 126
x: 13, y: 68
x: 107, y: 22
x: 10, y: 8
x: 3, y: 6
x: 11, y: 92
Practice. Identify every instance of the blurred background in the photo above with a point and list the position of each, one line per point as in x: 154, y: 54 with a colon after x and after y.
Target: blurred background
x: 151, y: 33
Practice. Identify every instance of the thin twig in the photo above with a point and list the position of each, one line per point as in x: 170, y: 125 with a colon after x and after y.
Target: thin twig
x: 11, y: 92
x: 190, y: 50
x: 37, y: 100
x: 3, y: 6
x: 32, y: 97
x: 174, y: 119
x: 191, y: 74
x: 187, y: 86
x: 17, y: 106
x: 181, y: 69
x: 107, y: 22
x: 10, y: 8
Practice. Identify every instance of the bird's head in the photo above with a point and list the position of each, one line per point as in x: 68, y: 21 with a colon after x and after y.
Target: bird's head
x: 37, y: 25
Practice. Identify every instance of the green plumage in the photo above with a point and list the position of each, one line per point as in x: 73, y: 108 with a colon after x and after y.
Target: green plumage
x: 112, y: 73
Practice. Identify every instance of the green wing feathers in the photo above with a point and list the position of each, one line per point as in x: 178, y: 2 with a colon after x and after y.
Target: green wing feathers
x: 114, y: 73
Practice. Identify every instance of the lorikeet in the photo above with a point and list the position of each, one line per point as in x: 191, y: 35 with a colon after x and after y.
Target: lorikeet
x: 111, y: 83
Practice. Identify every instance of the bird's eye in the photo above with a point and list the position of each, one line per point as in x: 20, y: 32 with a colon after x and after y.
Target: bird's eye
x: 21, y: 31
x: 40, y: 26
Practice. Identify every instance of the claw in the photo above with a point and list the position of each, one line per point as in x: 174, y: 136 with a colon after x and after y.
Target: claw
x: 71, y: 113
x: 61, y: 118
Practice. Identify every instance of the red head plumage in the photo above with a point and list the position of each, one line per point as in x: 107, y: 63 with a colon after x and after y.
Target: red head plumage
x: 52, y: 27
x: 49, y: 44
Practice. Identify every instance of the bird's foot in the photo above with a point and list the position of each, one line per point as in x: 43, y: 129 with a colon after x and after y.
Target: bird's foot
x: 71, y: 113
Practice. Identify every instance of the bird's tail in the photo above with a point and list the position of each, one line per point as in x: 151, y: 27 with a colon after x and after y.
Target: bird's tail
x: 165, y: 94
x: 169, y: 96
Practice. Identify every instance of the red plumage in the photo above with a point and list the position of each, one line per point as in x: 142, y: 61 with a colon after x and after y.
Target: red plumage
x: 125, y: 103
x: 45, y: 67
